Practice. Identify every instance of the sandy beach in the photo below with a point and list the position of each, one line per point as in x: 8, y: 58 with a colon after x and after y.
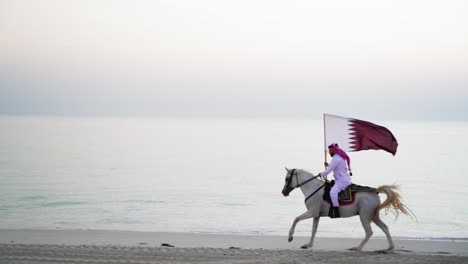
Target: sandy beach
x: 94, y: 246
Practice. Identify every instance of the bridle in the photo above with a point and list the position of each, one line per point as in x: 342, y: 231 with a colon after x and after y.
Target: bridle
x: 293, y: 173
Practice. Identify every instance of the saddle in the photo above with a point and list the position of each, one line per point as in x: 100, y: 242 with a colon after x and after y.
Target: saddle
x: 347, y: 195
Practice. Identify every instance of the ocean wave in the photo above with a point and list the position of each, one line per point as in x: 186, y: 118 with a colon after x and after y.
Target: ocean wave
x: 63, y: 203
x: 32, y: 198
x: 143, y: 201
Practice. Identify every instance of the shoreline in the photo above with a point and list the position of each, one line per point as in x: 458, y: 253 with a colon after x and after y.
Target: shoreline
x: 375, y: 236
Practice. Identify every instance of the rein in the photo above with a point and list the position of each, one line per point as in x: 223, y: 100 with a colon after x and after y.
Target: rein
x: 315, y: 191
x: 305, y: 182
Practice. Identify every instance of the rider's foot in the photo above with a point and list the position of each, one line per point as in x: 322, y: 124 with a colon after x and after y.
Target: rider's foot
x: 334, y: 212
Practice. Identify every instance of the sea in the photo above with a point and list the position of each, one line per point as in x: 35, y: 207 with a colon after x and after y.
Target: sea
x: 217, y: 176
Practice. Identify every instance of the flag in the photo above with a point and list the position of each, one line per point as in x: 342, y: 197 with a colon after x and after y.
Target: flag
x: 355, y: 135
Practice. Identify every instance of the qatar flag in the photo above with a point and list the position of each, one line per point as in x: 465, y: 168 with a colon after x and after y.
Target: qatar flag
x: 355, y: 135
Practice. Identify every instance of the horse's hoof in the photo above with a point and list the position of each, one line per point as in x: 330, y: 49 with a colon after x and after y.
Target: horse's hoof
x: 290, y: 239
x: 305, y: 246
x: 355, y: 249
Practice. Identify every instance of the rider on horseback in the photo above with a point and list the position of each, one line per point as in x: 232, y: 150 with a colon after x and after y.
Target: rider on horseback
x: 340, y: 173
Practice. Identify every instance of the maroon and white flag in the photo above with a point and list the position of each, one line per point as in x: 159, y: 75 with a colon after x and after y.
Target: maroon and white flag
x: 355, y: 135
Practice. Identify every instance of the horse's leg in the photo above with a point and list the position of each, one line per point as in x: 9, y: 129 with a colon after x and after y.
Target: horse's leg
x: 384, y: 228
x: 303, y: 216
x: 365, y: 220
x: 314, y: 231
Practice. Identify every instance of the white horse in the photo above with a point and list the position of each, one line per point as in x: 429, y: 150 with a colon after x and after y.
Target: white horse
x: 367, y: 205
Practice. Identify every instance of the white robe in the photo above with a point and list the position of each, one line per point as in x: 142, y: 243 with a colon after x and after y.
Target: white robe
x: 340, y: 173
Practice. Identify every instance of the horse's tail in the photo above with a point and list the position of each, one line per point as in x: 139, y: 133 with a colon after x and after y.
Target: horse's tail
x: 393, y: 201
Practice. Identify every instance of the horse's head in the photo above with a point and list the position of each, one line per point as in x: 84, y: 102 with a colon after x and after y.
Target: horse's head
x: 297, y: 178
x: 289, y: 185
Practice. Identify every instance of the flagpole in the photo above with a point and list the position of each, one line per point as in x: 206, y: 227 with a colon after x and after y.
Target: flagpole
x: 324, y: 140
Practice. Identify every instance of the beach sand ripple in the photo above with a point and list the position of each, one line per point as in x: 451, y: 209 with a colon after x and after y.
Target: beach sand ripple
x: 41, y: 253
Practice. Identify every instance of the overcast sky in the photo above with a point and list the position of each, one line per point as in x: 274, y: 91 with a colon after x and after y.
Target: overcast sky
x: 224, y: 59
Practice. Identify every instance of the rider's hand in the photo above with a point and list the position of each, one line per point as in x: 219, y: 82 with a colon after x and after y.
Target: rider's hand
x: 320, y: 175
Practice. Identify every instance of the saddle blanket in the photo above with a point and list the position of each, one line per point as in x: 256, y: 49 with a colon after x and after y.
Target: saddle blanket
x: 347, y: 195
